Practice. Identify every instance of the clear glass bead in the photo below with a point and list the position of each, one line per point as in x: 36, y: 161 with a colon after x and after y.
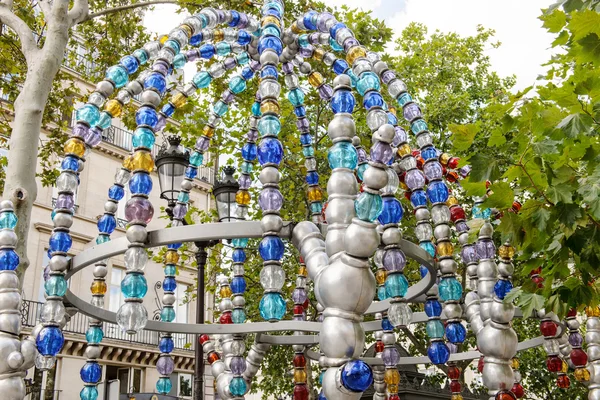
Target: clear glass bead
x: 124, y: 96
x: 96, y: 99
x: 238, y: 269
x: 400, y: 314
x: 189, y: 89
x: 378, y: 258
x: 393, y: 182
x: 342, y: 35
x: 301, y: 282
x: 132, y: 317
x: 408, y: 163
x: 424, y: 231
x: 166, y: 55
x: 217, y: 70
x: 211, y: 17
x: 361, y: 65
x: 310, y: 164
x: 396, y: 87
x: 252, y: 25
x: 152, y: 48
x: 241, y: 212
x: 291, y: 81
x: 97, y: 301
x: 44, y: 363
x: 551, y: 346
x: 135, y: 259
x: 272, y: 277
x: 376, y: 118
x: 193, y: 23
x: 53, y: 311
x: 67, y: 182
x: 269, y: 88
x: 179, y: 35
x: 329, y: 59
x: 230, y: 35
x: 122, y: 176
x: 214, y: 120
x: 324, y: 38
x: 237, y: 48
x: 238, y: 347
x: 440, y: 214
x: 424, y: 139
x: 207, y: 35
x: 373, y: 57
x: 297, y: 60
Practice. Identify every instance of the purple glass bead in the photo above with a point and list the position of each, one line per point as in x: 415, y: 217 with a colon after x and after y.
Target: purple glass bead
x: 464, y: 171
x: 299, y: 317
x: 245, y: 181
x: 228, y: 97
x: 485, y: 249
x: 575, y: 339
x: 388, y: 76
x: 362, y: 155
x: 302, y: 124
x: 46, y: 272
x: 255, y: 65
x: 412, y: 111
x: 325, y: 92
x: 202, y: 144
x: 433, y: 170
x: 252, y: 135
x: 382, y: 152
x: 243, y: 22
x: 400, y: 136
x: 80, y: 130
x: 162, y: 122
x: 192, y: 55
x: 313, y: 38
x: 350, y: 43
x: 299, y: 295
x: 390, y: 356
x: 64, y: 201
x: 394, y: 260
x: 307, y: 52
x: 139, y: 209
x: 161, y: 67
x: 322, y: 21
x: 179, y: 211
x: 452, y: 347
x: 220, y: 15
x: 462, y: 227
x: 468, y: 254
x: 414, y: 179
x: 93, y: 136
x: 165, y: 365
x: 229, y: 63
x: 287, y: 68
x: 320, y: 318
x: 270, y: 199
x: 237, y: 365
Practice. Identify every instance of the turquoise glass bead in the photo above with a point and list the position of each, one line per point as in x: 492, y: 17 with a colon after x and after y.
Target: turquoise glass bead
x: 179, y: 61
x: 141, y: 55
x: 88, y: 113
x: 243, y: 58
x: 143, y: 137
x: 173, y: 44
x: 183, y: 197
x: 450, y: 289
x: 418, y: 126
x: 8, y: 220
x: 368, y: 81
x: 170, y: 270
x: 167, y: 314
x: 271, y: 30
x: 396, y: 285
x: 303, y: 40
x: 238, y: 316
x: 238, y: 386
x: 272, y: 307
x: 368, y: 206
x: 102, y: 239
x: 247, y: 167
x: 118, y: 75
x: 134, y: 286
x: 296, y: 97
x: 316, y: 207
x: 435, y: 329
x: 237, y: 84
x: 308, y: 151
x: 256, y: 109
x: 404, y: 99
x: 56, y: 285
x: 479, y: 212
x: 196, y: 159
x: 94, y: 335
x: 353, y: 77
x: 164, y: 385
x: 428, y: 247
x: 89, y: 393
x: 360, y: 171
x: 223, y: 48
x: 342, y: 155
x: 334, y: 45
x: 105, y: 120
x: 202, y: 79
x: 381, y: 293
x: 220, y: 108
x: 241, y: 243
x: 269, y: 126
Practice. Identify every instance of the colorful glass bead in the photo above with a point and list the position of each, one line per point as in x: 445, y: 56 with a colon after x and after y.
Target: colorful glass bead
x: 357, y: 376
x: 49, y: 341
x: 272, y: 307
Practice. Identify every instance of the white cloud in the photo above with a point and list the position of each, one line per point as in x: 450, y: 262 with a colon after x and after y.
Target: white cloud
x: 372, y: 4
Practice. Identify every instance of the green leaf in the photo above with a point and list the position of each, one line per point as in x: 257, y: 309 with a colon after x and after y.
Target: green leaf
x: 554, y: 21
x: 477, y: 189
x: 590, y: 48
x: 583, y: 23
x: 568, y: 214
x: 484, y: 168
x: 496, y: 138
x: 561, y: 192
x: 575, y: 124
x: 561, y: 39
x: 528, y: 302
x: 546, y: 146
x: 502, y: 196
x: 540, y: 218
x: 463, y: 135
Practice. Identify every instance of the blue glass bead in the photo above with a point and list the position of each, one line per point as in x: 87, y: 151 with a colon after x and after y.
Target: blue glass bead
x: 91, y: 372
x: 335, y: 46
x: 249, y: 151
x: 49, y: 341
x: 272, y: 307
x: 117, y: 75
x: 174, y: 246
x: 396, y: 285
x: 368, y: 206
x: 130, y: 63
x: 418, y: 126
x: 276, y: 5
x: 437, y: 192
x: 310, y: 20
x: 308, y: 151
x: 271, y: 248
x: 247, y: 167
x: 107, y: 224
x: 235, y: 18
x: 300, y: 111
x: 169, y: 284
x: 435, y: 329
x: 9, y: 259
x: 392, y: 211
x: 270, y: 151
x: 105, y: 120
x: 220, y: 108
x: 392, y: 119
x: 240, y: 242
x: 141, y: 55
x: 143, y: 137
x: 60, y: 241
x: 269, y: 71
x: 116, y: 192
x: 170, y: 270
x: 179, y: 61
x: 134, y: 285
x: 167, y: 314
x: 94, y: 335
x: 450, y: 289
x: 303, y: 40
x: 196, y: 39
x: 140, y: 183
x: 270, y: 42
x: 191, y: 172
x: 418, y: 198
x: 381, y: 293
x: 69, y: 163
x: 89, y: 393
x: 357, y: 376
x: 102, y: 238
x: 247, y: 73
x: 244, y: 38
x: 269, y: 125
x: 342, y: 102
x: 386, y: 325
x: 316, y: 207
x: 196, y: 159
x: 242, y: 58
x: 306, y: 139
x: 342, y: 155
x: 428, y: 153
x: 238, y: 256
x: 88, y: 113
x: 404, y: 99
x: 183, y: 197
x: 164, y: 385
x: 360, y: 171
x: 438, y: 353
x: 146, y: 116
x: 296, y: 97
x: 433, y: 308
x: 340, y: 66
x: 423, y: 271
x: 456, y: 332
x: 172, y: 44
x: 202, y: 79
x: 335, y: 28
x: 238, y: 316
x: 428, y: 247
x: 312, y: 178
x: 372, y: 99
x: 166, y: 345
x: 256, y: 109
x: 223, y: 48
x: 502, y: 288
x: 238, y: 386
x: 368, y: 81
x: 238, y: 284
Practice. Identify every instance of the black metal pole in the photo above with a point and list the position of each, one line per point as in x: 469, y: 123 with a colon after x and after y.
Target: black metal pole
x: 201, y: 256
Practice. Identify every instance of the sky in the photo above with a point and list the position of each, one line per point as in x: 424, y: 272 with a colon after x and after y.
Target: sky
x: 525, y: 44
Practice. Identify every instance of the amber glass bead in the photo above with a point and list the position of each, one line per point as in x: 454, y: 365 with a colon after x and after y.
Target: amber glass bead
x: 271, y: 20
x: 445, y: 249
x: 218, y: 35
x: 392, y: 110
x: 506, y: 251
x: 299, y: 361
x: 142, y: 160
x: 456, y: 396
x: 75, y: 146
x: 300, y: 376
x: 355, y: 53
x: 592, y: 311
x: 98, y: 288
x: 187, y: 29
x: 225, y: 292
x: 380, y: 276
x: 515, y: 363
x: 128, y: 163
x: 295, y: 29
x: 212, y: 357
x: 315, y: 79
x: 452, y: 201
x: 404, y: 150
x: 563, y: 381
x: 392, y: 388
x: 302, y: 271
x: 582, y: 374
x: 269, y: 106
x: 242, y: 197
x: 565, y: 367
x: 113, y: 107
x: 208, y: 131
x: 163, y: 39
x: 403, y: 186
x: 315, y: 194
x: 391, y: 376
x: 178, y: 99
x: 444, y: 158
x: 172, y: 257
x: 318, y: 54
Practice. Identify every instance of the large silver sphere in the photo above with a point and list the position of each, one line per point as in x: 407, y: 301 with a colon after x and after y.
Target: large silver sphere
x: 342, y: 181
x: 342, y: 126
x: 497, y: 343
x: 340, y: 209
x: 341, y: 338
x: 375, y: 178
x: 361, y: 239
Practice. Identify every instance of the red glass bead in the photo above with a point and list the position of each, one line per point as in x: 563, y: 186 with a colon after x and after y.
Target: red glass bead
x: 572, y: 313
x: 455, y: 387
x: 539, y: 281
x: 301, y: 260
x: 444, y: 170
x: 298, y: 309
x: 516, y: 206
x: 305, y: 304
x: 457, y: 214
x: 554, y: 364
x: 203, y: 338
x: 323, y: 211
x: 394, y: 397
x: 452, y: 176
x: 453, y: 162
x: 300, y: 392
x: 579, y: 357
x: 548, y: 328
x: 402, y: 176
x: 518, y: 390
x: 362, y: 188
x: 225, y: 318
x: 505, y: 395
x: 563, y: 381
x: 379, y: 346
x: 454, y: 373
x: 407, y: 195
x: 212, y: 357
x: 416, y: 152
x: 480, y: 365
x: 488, y: 184
x: 420, y: 162
x: 299, y: 361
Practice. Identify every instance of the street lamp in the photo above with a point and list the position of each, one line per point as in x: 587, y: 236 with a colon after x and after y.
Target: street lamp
x: 224, y: 192
x: 171, y: 162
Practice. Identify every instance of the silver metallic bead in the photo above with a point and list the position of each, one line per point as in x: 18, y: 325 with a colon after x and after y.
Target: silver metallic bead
x: 342, y: 181
x: 63, y: 220
x: 388, y: 338
x: 217, y: 368
x: 110, y: 207
x: 341, y: 338
x: 186, y: 185
x: 151, y: 97
x: 489, y: 338
x: 422, y: 214
x: 168, y: 299
x: 271, y: 223
x: 305, y: 68
x: 342, y: 126
x: 225, y: 305
x: 380, y: 67
x: 269, y: 57
x: 463, y: 238
x: 361, y: 239
x: 375, y: 178
x: 447, y: 266
x: 92, y: 352
x: 391, y: 236
x: 502, y: 312
x: 486, y: 231
x: 342, y: 80
x: 385, y: 133
x: 134, y: 87
x: 506, y: 269
x: 339, y: 210
x: 239, y: 301
x: 453, y: 310
x: 6, y: 205
x: 442, y: 231
x: 269, y: 175
x: 105, y: 88
x: 100, y: 271
x: 8, y: 238
x: 58, y: 263
x: 137, y: 234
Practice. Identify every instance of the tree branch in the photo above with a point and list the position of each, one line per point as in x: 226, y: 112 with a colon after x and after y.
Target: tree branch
x: 79, y: 11
x: 28, y: 46
x: 124, y: 8
x: 46, y: 8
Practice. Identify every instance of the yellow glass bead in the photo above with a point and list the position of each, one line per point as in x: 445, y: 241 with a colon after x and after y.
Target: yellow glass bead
x: 299, y: 376
x: 515, y: 363
x: 315, y: 79
x: 208, y: 131
x: 302, y: 271
x: 392, y: 110
x: 75, y: 146
x: 271, y: 20
x: 404, y: 150
x: 444, y: 158
x: 187, y: 29
x: 391, y: 376
x: 178, y: 99
x: 456, y: 396
x: 143, y: 160
x: 318, y: 54
x: 295, y: 29
x: 128, y: 162
x: 565, y: 367
x: 98, y: 288
x: 392, y: 388
x: 582, y: 374
x: 163, y: 39
x: 242, y: 197
x: 506, y: 251
x: 315, y: 194
x: 592, y: 311
x: 113, y: 107
x: 445, y: 249
x: 172, y: 257
x: 269, y: 107
x: 452, y: 201
x: 355, y: 53
x: 225, y: 291
x: 403, y: 186
x: 380, y: 276
x: 218, y: 35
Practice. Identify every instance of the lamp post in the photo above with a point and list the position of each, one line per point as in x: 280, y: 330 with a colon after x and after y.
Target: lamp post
x: 171, y: 163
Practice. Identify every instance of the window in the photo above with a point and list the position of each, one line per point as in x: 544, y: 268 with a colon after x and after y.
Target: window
x: 130, y: 380
x: 115, y: 298
x: 121, y: 206
x: 181, y: 313
x: 184, y: 385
